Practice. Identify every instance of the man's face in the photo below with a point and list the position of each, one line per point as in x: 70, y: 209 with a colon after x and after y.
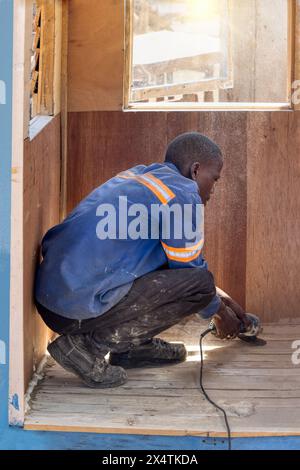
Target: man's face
x: 206, y: 177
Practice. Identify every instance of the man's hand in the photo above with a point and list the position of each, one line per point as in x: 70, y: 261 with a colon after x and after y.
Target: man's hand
x: 227, y: 323
x: 234, y: 306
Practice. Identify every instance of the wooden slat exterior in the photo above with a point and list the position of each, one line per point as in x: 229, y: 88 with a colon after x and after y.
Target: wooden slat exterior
x: 47, y: 57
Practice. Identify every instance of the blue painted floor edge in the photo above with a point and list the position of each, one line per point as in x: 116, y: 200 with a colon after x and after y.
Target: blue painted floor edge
x: 19, y: 439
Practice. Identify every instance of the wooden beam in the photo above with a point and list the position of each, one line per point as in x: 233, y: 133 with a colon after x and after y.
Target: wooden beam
x: 225, y: 106
x: 64, y: 108
x: 128, y: 40
x: 160, y: 432
x: 57, y: 50
x: 295, y: 74
x: 22, y: 40
x: 177, y: 89
x: 291, y: 47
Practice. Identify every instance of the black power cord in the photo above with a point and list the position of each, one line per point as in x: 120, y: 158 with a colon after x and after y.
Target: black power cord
x: 206, y: 395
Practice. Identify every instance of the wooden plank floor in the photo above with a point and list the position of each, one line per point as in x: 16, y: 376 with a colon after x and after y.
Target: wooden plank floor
x: 258, y: 386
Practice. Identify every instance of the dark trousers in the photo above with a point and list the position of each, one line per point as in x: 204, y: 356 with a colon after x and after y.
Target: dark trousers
x: 154, y: 303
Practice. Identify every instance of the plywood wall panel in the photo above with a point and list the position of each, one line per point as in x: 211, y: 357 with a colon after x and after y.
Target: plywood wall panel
x: 41, y: 211
x: 252, y: 222
x: 225, y: 215
x: 95, y: 55
x: 273, y: 242
x: 102, y: 144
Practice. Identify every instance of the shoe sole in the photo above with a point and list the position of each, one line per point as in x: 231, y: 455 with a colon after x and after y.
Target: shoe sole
x: 130, y: 364
x: 68, y: 365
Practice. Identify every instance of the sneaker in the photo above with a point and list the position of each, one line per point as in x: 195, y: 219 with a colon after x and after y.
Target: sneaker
x: 72, y: 354
x: 156, y: 352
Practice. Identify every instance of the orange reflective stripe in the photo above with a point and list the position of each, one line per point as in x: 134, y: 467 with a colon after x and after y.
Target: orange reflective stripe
x: 126, y: 174
x: 183, y: 255
x: 185, y: 249
x: 162, y: 185
x: 184, y: 260
x: 161, y: 191
x: 152, y: 188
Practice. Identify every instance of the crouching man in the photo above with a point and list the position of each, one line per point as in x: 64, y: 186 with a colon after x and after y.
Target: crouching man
x: 127, y: 264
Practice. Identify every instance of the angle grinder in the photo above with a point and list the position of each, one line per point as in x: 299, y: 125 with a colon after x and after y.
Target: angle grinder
x: 247, y: 333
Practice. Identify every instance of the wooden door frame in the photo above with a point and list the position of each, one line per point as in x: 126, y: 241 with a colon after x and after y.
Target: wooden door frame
x: 20, y: 118
x: 22, y: 42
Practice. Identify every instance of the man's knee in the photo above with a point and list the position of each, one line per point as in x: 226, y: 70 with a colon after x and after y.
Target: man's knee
x: 204, y: 282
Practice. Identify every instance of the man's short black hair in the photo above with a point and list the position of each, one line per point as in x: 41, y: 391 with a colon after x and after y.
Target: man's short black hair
x: 192, y: 147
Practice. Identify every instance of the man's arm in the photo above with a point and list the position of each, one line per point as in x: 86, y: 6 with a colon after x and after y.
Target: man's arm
x: 227, y: 315
x: 226, y: 322
x: 233, y: 305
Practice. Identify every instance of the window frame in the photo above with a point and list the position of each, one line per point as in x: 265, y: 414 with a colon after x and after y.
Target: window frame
x: 293, y: 56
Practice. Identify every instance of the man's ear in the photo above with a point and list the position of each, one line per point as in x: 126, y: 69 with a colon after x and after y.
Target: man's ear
x: 194, y: 170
